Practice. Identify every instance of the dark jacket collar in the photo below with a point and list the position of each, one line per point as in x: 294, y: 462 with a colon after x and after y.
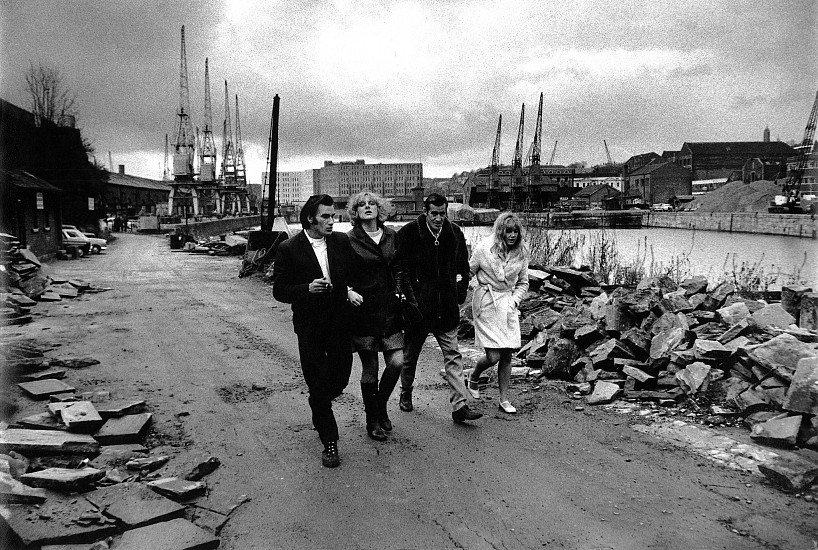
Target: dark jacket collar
x: 425, y: 233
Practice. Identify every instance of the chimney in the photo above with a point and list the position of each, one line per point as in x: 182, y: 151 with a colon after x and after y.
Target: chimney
x: 122, y: 169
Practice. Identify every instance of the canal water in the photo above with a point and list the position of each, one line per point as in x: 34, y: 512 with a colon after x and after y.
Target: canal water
x: 777, y: 260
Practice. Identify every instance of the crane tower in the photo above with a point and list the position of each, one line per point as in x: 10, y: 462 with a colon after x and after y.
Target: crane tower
x: 494, y: 175
x: 207, y: 153
x: 228, y: 151
x: 789, y: 201
x: 241, y: 176
x: 183, y: 146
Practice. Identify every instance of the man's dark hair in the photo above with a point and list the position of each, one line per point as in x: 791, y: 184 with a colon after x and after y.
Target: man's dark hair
x: 434, y: 198
x: 310, y: 208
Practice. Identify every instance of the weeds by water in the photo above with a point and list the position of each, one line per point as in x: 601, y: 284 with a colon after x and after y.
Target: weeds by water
x: 554, y: 247
x: 750, y: 278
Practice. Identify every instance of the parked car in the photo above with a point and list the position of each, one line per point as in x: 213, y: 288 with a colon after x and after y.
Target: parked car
x: 661, y: 207
x: 97, y: 244
x: 75, y: 237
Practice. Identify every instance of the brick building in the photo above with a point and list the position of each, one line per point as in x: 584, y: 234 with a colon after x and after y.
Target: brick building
x: 710, y: 160
x: 657, y: 182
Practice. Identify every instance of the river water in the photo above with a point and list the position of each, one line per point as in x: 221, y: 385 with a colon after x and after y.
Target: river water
x: 777, y: 260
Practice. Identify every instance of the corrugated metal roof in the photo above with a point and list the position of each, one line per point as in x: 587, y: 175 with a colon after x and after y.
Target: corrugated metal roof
x: 740, y: 148
x: 124, y: 180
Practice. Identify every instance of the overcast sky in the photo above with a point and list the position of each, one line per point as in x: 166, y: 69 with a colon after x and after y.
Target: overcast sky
x: 409, y: 81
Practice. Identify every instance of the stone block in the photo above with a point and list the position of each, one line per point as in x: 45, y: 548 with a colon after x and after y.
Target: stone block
x: 588, y: 335
x: 41, y: 421
x: 694, y: 285
x: 135, y: 505
x: 603, y: 355
x: 736, y: 330
x: 694, y: 378
x: 73, y: 362
x: 43, y: 375
x: 752, y: 400
x: 15, y: 492
x: 636, y: 374
x: 148, y: 463
x: 81, y: 417
x: 604, y: 392
x: 792, y: 474
x: 808, y: 318
x: 177, y: 534
x: 716, y: 297
x: 710, y: 350
x: 736, y: 343
x: 64, y: 480
x: 559, y: 358
x: 781, y: 355
x: 37, y: 442
x: 125, y: 429
x: 802, y: 395
x: 637, y: 341
x: 791, y: 298
x: 178, y: 489
x: 772, y: 315
x: 41, y: 389
x: 781, y: 430
x: 732, y: 314
x: 663, y: 343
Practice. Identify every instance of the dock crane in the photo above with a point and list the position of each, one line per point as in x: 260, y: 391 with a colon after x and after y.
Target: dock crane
x: 607, y: 152
x: 494, y: 175
x: 183, y: 145
x: 517, y: 179
x: 553, y: 153
x: 789, y: 201
x: 207, y: 152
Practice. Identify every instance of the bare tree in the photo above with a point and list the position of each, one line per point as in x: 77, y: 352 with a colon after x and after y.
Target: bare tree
x: 50, y: 98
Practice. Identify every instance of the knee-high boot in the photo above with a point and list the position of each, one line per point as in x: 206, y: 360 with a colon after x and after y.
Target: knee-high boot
x: 369, y: 392
x: 389, y: 380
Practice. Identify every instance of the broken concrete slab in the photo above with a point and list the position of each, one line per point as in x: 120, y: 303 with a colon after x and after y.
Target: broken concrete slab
x: 41, y: 389
x: 636, y: 374
x: 14, y: 464
x: 135, y: 505
x: 63, y: 290
x: 203, y: 468
x: 41, y: 421
x: 663, y: 343
x: 49, y: 296
x: 177, y: 534
x: 791, y: 298
x: 39, y: 442
x: 734, y: 313
x: 772, y: 315
x: 118, y: 455
x: 735, y: 331
x: 209, y: 520
x: 15, y: 492
x: 125, y: 429
x: 64, y: 480
x: 781, y: 430
x: 178, y: 489
x: 791, y: 474
x: 604, y: 392
x: 809, y: 311
x: 710, y: 350
x: 58, y: 520
x: 81, y: 417
x: 802, y: 395
x: 694, y: 285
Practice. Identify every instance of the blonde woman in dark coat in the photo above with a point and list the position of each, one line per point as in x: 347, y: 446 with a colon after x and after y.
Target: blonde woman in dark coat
x: 376, y: 320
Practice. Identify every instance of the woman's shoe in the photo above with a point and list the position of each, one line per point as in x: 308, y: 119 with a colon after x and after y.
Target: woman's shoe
x: 507, y: 407
x: 473, y: 387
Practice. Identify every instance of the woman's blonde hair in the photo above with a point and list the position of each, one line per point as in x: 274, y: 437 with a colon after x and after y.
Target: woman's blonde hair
x: 358, y: 199
x: 509, y: 219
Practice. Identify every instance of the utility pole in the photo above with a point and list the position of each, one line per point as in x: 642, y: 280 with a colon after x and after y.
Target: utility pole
x: 273, y: 154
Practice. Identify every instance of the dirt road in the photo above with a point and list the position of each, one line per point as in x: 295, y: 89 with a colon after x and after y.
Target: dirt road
x: 216, y: 359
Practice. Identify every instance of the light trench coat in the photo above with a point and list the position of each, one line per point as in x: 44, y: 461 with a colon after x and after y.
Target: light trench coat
x: 501, y: 284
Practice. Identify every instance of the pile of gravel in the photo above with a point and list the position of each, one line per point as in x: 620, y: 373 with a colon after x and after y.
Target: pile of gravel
x: 738, y: 196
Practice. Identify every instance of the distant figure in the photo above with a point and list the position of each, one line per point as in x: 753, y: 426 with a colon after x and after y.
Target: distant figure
x: 432, y: 252
x: 117, y: 223
x: 500, y: 265
x: 376, y: 315
x: 311, y: 273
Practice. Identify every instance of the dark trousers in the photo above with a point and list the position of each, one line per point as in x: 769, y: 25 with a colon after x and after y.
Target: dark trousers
x: 326, y: 361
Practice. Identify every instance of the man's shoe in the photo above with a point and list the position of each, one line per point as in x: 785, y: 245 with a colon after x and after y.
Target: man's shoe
x: 330, y: 458
x: 385, y: 423
x: 405, y: 402
x: 374, y: 431
x: 464, y: 413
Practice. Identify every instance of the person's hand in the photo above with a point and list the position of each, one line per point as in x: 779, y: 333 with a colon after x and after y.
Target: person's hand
x: 317, y: 286
x: 354, y: 298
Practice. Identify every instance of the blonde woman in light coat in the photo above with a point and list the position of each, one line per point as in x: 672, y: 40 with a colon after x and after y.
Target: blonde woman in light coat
x: 499, y: 265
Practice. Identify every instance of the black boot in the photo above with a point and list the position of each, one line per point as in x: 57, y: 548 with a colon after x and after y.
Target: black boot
x: 405, y: 402
x: 369, y: 392
x: 389, y: 379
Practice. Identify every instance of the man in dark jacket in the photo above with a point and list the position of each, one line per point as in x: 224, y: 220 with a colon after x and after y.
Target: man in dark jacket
x: 432, y: 253
x: 311, y: 273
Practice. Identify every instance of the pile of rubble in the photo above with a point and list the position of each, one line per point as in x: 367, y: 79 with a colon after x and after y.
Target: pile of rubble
x: 78, y: 471
x: 729, y: 358
x: 224, y: 245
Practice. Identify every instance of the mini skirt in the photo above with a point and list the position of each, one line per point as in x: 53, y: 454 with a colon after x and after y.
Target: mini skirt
x: 377, y: 343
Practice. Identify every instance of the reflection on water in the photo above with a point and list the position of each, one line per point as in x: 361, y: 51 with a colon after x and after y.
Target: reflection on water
x: 708, y: 253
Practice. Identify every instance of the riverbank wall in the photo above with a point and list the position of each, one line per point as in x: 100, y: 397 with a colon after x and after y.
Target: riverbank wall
x: 792, y: 225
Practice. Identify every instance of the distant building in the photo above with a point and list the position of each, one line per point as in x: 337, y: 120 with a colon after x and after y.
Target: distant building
x: 126, y: 196
x: 759, y: 169
x: 596, y: 196
x: 617, y: 182
x: 294, y: 188
x: 30, y: 210
x: 638, y: 161
x: 657, y: 182
x: 809, y: 179
x: 702, y: 187
x: 342, y: 179
x: 532, y: 190
x: 710, y: 160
